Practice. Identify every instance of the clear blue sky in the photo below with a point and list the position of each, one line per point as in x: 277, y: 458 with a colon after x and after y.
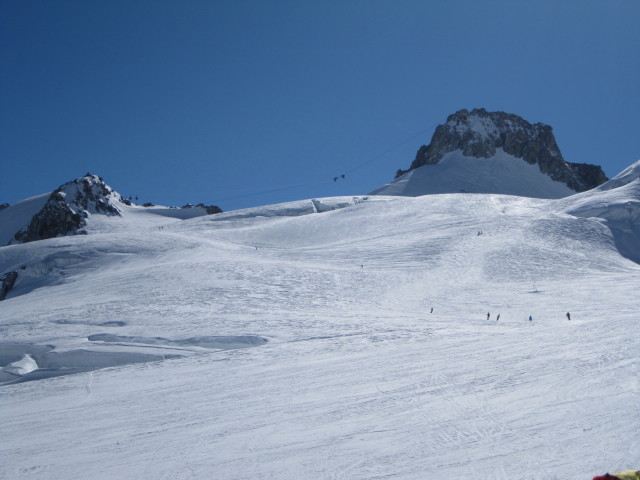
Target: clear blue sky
x: 203, y: 101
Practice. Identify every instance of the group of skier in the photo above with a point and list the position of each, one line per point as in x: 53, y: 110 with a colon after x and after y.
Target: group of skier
x: 568, y: 315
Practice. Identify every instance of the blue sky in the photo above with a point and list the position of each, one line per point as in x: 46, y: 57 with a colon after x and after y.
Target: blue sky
x: 220, y: 101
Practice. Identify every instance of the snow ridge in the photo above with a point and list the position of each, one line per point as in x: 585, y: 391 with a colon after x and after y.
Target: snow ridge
x: 617, y: 203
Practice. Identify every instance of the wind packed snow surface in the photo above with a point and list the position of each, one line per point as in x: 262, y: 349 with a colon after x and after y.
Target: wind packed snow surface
x: 368, y: 354
x: 457, y: 173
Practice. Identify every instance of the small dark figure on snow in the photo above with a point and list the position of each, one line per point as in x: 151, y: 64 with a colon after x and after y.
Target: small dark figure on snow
x: 431, y: 310
x: 530, y: 318
x: 488, y: 315
x: 568, y: 316
x: 498, y: 317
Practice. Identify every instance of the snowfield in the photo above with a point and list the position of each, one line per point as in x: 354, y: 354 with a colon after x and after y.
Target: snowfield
x: 455, y: 172
x: 296, y: 341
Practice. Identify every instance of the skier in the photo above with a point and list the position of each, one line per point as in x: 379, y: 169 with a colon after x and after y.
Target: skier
x: 568, y: 316
x: 626, y: 475
x: 530, y: 318
x: 488, y: 315
x: 498, y: 317
x: 431, y: 310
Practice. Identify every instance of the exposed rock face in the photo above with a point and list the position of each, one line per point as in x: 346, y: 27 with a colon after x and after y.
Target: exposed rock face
x: 69, y: 206
x: 6, y: 283
x: 211, y: 209
x: 480, y: 133
x: 3, y: 206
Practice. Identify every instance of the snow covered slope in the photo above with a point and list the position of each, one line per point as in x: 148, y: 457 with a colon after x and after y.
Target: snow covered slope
x: 299, y: 341
x: 455, y: 173
x: 617, y: 204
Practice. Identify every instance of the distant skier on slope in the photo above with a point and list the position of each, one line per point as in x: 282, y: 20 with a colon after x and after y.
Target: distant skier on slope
x: 626, y: 475
x: 488, y: 315
x: 498, y: 317
x: 530, y: 318
x: 568, y: 316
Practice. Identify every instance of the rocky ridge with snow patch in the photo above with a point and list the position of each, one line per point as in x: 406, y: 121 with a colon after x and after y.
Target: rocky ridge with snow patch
x: 68, y: 208
x: 481, y: 134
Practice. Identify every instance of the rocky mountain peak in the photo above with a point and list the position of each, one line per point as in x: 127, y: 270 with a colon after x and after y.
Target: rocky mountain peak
x: 67, y: 211
x: 69, y: 206
x: 479, y: 133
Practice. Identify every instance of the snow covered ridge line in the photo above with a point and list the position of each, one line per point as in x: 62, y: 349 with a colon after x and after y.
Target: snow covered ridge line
x: 296, y: 208
x: 625, y: 177
x: 617, y: 203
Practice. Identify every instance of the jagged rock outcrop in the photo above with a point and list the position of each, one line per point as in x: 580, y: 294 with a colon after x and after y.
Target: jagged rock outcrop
x: 3, y: 206
x: 7, y: 281
x: 69, y: 206
x: 480, y: 134
x: 211, y: 209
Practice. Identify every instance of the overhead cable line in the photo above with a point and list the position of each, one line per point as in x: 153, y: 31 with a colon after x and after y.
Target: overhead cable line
x: 391, y: 149
x: 264, y: 192
x: 335, y: 178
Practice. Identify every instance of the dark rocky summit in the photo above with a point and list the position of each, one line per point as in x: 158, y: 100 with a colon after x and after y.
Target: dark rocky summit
x: 480, y: 134
x: 3, y: 206
x: 69, y: 206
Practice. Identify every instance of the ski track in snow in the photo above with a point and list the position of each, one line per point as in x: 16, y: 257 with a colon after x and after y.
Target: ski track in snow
x: 357, y: 380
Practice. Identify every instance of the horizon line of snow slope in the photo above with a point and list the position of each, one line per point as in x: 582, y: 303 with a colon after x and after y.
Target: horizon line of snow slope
x: 457, y: 173
x: 16, y: 217
x: 140, y: 217
x: 358, y: 379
